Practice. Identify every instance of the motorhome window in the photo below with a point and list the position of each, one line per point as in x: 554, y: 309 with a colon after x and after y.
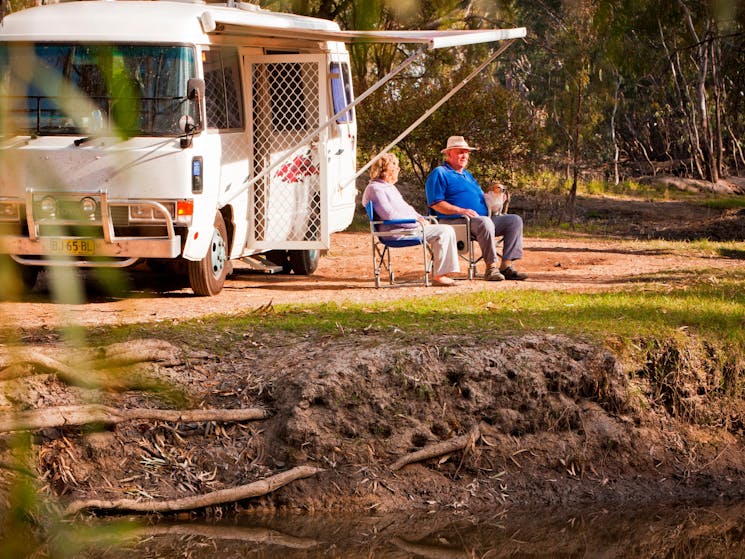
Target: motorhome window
x: 341, y: 90
x: 223, y: 92
x: 127, y: 90
x: 287, y: 96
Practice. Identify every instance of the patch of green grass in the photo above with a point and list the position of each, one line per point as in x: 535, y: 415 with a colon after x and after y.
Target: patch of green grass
x: 710, y: 304
x: 725, y: 203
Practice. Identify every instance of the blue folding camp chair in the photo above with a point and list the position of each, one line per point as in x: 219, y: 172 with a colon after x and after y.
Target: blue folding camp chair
x: 383, y: 243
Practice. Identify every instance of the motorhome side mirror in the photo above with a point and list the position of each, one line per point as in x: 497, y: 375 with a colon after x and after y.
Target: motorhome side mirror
x: 186, y: 124
x: 195, y: 89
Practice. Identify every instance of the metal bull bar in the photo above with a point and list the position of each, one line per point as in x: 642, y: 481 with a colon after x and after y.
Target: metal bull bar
x: 126, y: 250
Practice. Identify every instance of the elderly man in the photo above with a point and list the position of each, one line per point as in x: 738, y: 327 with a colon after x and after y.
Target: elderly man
x: 452, y: 190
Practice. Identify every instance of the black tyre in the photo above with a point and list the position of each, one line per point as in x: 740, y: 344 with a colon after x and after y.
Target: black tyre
x: 304, y: 262
x: 207, y: 276
x: 29, y: 275
x: 280, y: 258
x: 16, y: 279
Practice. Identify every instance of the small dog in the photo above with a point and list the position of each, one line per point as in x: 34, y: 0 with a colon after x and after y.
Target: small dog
x: 497, y: 199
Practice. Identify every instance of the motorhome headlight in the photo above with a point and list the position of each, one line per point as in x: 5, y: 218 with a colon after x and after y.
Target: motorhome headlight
x: 88, y: 206
x: 141, y: 212
x: 8, y: 211
x: 48, y: 206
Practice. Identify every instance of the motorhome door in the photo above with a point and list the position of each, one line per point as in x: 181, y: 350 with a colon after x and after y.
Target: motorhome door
x: 290, y: 203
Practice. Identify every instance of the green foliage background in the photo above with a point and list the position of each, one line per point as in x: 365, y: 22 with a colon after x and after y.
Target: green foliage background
x: 598, y: 89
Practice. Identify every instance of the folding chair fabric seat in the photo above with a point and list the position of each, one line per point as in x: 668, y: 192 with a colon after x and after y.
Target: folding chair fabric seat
x: 383, y: 242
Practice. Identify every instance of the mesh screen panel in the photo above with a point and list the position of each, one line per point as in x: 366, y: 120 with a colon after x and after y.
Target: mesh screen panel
x: 287, y: 202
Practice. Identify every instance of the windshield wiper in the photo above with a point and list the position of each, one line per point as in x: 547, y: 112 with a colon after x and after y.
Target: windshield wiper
x: 81, y: 141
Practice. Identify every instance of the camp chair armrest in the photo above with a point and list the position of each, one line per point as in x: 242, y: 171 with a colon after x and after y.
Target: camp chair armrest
x: 396, y: 221
x: 454, y: 216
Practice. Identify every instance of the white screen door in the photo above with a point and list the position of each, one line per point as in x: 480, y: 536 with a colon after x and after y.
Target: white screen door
x: 290, y: 202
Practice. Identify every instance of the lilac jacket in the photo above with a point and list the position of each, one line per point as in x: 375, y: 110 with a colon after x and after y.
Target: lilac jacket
x: 389, y: 204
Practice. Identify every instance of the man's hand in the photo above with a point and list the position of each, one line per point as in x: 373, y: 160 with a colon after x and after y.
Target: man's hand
x: 447, y: 208
x: 468, y: 212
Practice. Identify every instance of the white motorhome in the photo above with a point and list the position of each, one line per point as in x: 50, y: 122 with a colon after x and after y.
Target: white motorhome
x: 185, y: 134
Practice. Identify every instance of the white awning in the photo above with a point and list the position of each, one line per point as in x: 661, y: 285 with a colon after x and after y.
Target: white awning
x: 434, y: 39
x: 218, y: 23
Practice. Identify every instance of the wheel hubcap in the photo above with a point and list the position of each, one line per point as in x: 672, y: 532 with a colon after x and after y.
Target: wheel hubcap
x: 218, y: 255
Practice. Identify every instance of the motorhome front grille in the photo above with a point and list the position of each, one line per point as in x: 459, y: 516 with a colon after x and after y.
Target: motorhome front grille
x: 119, y: 215
x: 286, y: 105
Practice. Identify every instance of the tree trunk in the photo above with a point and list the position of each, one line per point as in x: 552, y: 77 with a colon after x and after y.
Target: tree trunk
x: 702, y: 66
x: 684, y: 101
x: 717, y: 88
x: 572, y: 198
x: 614, y: 139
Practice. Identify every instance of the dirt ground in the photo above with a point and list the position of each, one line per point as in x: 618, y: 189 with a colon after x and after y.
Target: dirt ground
x: 552, y: 420
x: 604, y: 261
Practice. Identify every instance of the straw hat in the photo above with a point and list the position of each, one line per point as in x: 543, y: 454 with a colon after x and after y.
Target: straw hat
x: 457, y: 142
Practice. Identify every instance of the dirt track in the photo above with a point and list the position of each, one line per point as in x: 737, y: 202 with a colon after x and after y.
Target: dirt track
x: 345, y: 275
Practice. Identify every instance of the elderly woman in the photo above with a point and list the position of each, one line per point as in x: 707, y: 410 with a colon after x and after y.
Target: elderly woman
x: 389, y: 204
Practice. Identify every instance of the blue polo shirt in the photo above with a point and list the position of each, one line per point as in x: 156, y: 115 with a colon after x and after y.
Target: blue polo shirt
x: 460, y: 189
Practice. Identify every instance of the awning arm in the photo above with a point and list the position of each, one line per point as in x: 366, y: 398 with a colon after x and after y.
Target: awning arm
x: 428, y: 113
x: 248, y: 182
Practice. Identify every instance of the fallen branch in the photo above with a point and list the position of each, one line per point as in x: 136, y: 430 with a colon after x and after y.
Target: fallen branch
x: 41, y: 362
x: 255, y: 489
x: 65, y: 416
x: 237, y: 533
x: 439, y: 449
x: 98, y: 369
x: 430, y: 551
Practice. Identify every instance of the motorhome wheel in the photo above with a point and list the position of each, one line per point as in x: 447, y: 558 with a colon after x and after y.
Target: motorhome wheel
x: 207, y: 276
x: 304, y: 262
x: 280, y: 258
x: 16, y: 278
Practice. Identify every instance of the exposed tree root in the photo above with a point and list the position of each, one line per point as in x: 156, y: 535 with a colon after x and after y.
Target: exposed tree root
x: 65, y: 416
x: 440, y: 449
x: 136, y: 351
x: 237, y: 533
x: 430, y: 551
x: 39, y: 361
x: 104, y: 370
x: 233, y: 494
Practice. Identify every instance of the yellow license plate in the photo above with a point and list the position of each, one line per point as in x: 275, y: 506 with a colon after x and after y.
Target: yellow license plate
x: 69, y: 247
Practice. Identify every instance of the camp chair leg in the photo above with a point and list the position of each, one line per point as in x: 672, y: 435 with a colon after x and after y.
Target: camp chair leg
x: 391, y: 275
x: 426, y: 265
x: 378, y: 259
x: 471, y: 259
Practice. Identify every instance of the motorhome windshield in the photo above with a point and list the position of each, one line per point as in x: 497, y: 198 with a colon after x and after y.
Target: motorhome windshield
x: 126, y: 90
